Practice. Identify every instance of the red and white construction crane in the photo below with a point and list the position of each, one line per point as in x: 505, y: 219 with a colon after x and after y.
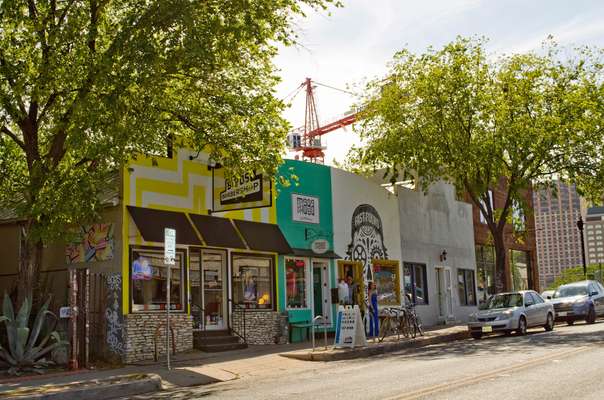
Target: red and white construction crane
x: 307, y: 138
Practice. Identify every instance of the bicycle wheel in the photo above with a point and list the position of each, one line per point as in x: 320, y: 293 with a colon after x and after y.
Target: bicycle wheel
x: 404, y: 324
x: 386, y: 328
x: 412, y: 329
x: 418, y: 325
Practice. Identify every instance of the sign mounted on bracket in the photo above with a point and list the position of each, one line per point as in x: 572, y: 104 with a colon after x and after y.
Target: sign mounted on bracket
x: 248, y: 191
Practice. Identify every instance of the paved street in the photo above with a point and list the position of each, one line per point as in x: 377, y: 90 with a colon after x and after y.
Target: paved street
x: 566, y: 363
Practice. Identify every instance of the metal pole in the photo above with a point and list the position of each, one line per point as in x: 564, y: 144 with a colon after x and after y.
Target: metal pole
x: 325, y: 331
x: 168, y: 315
x: 580, y: 226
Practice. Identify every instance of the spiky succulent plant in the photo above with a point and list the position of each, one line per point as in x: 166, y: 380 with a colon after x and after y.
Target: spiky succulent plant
x: 25, y: 352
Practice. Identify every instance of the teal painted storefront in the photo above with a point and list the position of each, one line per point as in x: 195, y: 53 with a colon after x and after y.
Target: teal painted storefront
x: 309, y: 184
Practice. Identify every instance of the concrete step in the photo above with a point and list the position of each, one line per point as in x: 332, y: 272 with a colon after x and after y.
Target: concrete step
x: 201, y: 341
x: 201, y: 333
x: 214, y: 348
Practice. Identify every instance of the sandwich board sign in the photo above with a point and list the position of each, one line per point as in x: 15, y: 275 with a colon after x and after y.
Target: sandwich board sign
x: 349, y: 328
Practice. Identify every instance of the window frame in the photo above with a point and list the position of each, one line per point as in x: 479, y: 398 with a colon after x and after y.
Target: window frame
x: 268, y: 256
x: 184, y: 275
x: 307, y: 262
x: 411, y: 266
x: 389, y: 264
x: 464, y: 272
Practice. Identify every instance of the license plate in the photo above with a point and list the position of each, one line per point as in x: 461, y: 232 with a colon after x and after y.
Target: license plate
x: 486, y: 329
x: 562, y: 314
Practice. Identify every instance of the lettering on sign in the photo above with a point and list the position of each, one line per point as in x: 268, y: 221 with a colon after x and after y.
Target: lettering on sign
x: 247, y: 188
x: 305, y: 209
x: 320, y: 246
x: 350, y: 331
x: 169, y: 246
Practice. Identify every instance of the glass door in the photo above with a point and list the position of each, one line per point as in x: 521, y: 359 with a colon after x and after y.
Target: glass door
x: 213, y: 277
x: 207, y: 274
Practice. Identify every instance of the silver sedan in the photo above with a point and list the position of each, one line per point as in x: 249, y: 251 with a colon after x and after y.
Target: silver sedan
x: 514, y: 311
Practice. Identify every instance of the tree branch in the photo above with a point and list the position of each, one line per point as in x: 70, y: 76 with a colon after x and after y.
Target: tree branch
x: 14, y: 137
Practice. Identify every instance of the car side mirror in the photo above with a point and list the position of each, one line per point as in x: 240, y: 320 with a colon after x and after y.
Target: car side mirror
x: 593, y: 294
x: 548, y: 297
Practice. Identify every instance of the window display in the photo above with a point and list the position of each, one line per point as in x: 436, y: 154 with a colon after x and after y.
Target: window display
x: 149, y: 280
x: 253, y: 281
x: 386, y: 278
x: 295, y: 278
x: 415, y: 282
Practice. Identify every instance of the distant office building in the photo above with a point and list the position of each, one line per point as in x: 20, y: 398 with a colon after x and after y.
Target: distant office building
x: 594, y: 242
x: 558, y: 241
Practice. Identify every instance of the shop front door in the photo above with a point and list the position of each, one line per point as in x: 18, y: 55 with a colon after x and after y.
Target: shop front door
x: 445, y: 293
x: 321, y: 293
x: 208, y: 289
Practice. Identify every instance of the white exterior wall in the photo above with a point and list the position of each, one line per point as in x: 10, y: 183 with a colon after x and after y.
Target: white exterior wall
x: 430, y: 224
x: 350, y: 191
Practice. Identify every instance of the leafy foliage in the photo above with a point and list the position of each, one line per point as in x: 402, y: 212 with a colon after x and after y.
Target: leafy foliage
x: 85, y: 84
x: 25, y: 352
x: 482, y: 122
x: 575, y: 274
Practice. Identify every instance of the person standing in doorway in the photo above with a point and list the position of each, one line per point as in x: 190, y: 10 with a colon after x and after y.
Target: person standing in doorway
x: 374, y: 319
x: 352, y: 291
x: 343, y: 292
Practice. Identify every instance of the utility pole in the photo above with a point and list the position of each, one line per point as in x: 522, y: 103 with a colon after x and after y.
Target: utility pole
x: 580, y: 226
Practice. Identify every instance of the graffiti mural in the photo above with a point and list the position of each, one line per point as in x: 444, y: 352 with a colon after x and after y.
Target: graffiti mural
x: 94, y: 243
x: 113, y: 314
x: 367, y: 241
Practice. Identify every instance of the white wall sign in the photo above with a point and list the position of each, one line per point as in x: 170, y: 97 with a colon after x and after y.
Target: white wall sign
x: 169, y: 246
x: 305, y: 208
x: 65, y: 312
x: 349, y: 328
x: 320, y: 246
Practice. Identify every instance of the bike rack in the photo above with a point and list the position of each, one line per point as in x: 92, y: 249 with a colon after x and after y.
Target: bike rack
x: 324, y: 330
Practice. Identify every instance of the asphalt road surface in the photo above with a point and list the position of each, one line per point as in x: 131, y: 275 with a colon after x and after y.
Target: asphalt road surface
x: 567, y: 363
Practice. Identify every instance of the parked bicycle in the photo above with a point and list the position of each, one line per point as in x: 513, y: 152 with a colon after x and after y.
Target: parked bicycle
x: 413, y: 320
x: 394, y: 322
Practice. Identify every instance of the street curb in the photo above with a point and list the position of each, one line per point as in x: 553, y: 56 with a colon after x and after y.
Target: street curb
x: 378, y: 349
x: 150, y: 383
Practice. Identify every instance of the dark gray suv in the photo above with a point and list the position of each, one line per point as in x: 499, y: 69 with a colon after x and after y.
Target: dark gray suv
x: 579, y: 300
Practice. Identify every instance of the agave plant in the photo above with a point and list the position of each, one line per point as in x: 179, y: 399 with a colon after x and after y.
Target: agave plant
x: 25, y: 352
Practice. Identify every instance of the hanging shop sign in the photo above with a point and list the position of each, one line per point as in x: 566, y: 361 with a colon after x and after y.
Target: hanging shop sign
x: 305, y: 208
x: 319, y: 246
x: 169, y: 246
x: 349, y: 328
x: 248, y: 191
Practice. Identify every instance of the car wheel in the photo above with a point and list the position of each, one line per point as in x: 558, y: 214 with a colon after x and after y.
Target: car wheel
x: 476, y: 335
x: 549, y: 324
x: 570, y: 322
x: 521, y: 327
x: 591, y: 316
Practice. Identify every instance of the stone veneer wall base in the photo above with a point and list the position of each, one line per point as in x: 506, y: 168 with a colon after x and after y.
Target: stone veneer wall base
x: 262, y: 327
x: 141, y: 335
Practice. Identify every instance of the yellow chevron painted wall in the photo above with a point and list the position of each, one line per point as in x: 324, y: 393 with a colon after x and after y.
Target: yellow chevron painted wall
x: 172, y: 184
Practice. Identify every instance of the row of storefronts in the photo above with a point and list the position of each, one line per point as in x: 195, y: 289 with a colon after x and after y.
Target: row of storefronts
x: 256, y: 260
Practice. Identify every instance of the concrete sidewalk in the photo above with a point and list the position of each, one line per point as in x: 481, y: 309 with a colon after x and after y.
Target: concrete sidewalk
x: 391, y: 344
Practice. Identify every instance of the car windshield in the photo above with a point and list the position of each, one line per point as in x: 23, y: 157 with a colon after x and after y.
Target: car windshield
x: 504, y: 301
x: 569, y: 291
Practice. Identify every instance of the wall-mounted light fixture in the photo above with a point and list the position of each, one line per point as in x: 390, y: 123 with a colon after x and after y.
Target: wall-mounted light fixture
x: 443, y: 256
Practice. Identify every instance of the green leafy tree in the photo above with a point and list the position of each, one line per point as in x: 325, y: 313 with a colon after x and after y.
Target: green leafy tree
x: 85, y: 84
x: 481, y: 122
x: 575, y: 274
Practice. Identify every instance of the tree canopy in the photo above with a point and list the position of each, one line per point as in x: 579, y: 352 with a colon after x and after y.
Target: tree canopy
x: 474, y: 120
x: 85, y: 84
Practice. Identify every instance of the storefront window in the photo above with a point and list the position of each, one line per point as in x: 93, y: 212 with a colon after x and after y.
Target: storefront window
x: 415, y: 282
x: 148, y: 278
x: 252, y: 281
x: 386, y: 278
x: 295, y: 278
x: 520, y: 266
x: 465, y: 287
x: 485, y: 268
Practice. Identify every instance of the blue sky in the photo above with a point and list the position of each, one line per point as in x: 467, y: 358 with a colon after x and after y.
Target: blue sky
x: 355, y: 43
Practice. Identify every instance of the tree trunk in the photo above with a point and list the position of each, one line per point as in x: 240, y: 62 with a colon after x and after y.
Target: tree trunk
x: 500, y: 258
x: 30, y: 259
